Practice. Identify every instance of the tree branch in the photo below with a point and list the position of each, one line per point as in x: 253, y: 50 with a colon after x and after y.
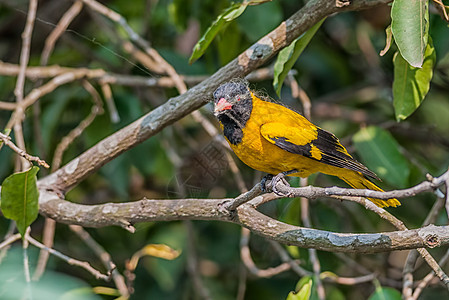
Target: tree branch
x: 127, y: 214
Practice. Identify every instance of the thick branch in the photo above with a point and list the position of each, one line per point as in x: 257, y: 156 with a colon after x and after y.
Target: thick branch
x: 127, y: 214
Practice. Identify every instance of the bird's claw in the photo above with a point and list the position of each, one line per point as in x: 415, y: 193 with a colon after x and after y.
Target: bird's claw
x: 263, y: 183
x: 223, y: 207
x: 274, y: 180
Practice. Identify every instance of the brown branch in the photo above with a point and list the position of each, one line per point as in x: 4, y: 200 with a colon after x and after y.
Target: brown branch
x: 313, y: 255
x: 25, y: 52
x: 434, y: 182
x: 69, y: 260
x: 315, y: 192
x: 60, y: 28
x: 45, y: 89
x: 96, y: 110
x: 48, y: 240
x: 441, y: 8
x: 201, y: 290
x: 101, y: 76
x: 105, y: 258
x: 299, y: 93
x: 7, y: 141
x: 20, y: 83
x: 429, y: 277
x: 245, y: 255
x: 285, y: 257
x: 407, y: 286
x: 350, y: 280
x: 8, y: 241
x: 126, y: 214
x: 107, y: 93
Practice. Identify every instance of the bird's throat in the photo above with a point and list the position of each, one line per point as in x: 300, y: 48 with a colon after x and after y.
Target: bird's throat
x: 234, y: 122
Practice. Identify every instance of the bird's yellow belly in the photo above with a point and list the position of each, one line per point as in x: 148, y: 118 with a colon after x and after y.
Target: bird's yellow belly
x: 261, y: 155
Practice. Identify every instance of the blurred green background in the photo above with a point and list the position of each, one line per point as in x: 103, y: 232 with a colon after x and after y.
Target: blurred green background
x: 350, y: 88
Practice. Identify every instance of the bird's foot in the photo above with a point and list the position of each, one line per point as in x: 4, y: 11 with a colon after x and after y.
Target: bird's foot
x: 275, y: 180
x: 263, y: 183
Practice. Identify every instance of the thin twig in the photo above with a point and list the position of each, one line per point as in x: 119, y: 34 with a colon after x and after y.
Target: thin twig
x: 25, y: 52
x: 105, y: 257
x: 407, y: 287
x: 47, y: 88
x: 101, y: 75
x: 314, y: 192
x: 8, y: 241
x: 107, y: 93
x: 7, y: 140
x: 59, y: 29
x: 97, y: 109
x: 201, y: 289
x: 26, y: 262
x: 50, y: 224
x: 305, y: 217
x: 285, y: 257
x: 243, y: 198
x: 400, y: 225
x: 407, y: 277
x: 5, y: 245
x: 429, y: 277
x: 48, y: 240
x: 442, y: 9
x: 299, y: 93
x: 69, y: 260
x: 351, y: 280
x: 245, y: 255
x: 20, y: 84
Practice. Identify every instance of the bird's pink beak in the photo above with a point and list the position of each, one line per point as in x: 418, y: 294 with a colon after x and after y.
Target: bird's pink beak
x: 221, y: 105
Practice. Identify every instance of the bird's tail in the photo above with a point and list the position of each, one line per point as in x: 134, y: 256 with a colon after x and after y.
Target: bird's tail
x: 358, y: 181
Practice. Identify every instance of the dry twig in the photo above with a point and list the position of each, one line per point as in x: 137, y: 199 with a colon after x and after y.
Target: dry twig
x: 7, y: 140
x: 69, y: 260
x: 104, y: 256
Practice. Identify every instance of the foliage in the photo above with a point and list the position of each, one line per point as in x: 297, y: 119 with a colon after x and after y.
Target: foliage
x: 381, y: 153
x: 411, y: 84
x: 303, y: 291
x: 19, y: 198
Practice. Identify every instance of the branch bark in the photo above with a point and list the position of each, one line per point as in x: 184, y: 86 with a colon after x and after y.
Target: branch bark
x: 127, y: 214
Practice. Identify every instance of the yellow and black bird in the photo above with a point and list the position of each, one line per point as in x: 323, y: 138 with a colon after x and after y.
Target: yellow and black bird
x: 274, y: 139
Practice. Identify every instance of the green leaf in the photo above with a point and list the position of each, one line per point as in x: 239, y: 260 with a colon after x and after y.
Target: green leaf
x: 289, y: 55
x: 19, y: 196
x: 410, y: 28
x: 379, y: 151
x: 303, y: 293
x: 385, y: 293
x: 228, y: 15
x: 235, y: 13
x: 411, y: 85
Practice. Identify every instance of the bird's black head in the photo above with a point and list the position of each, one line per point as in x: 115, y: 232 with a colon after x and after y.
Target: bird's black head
x: 232, y: 95
x: 233, y: 106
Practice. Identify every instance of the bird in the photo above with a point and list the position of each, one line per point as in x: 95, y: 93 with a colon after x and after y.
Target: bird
x: 274, y: 139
